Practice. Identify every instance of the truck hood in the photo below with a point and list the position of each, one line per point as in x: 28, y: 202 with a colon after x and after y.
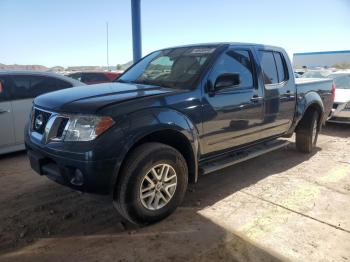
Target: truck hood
x: 342, y: 95
x: 89, y: 99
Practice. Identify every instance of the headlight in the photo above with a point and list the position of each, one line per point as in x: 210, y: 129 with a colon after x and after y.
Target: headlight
x: 86, y: 128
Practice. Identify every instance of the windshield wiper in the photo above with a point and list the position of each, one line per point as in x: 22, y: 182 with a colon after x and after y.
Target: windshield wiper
x: 155, y: 83
x: 147, y: 82
x: 123, y: 81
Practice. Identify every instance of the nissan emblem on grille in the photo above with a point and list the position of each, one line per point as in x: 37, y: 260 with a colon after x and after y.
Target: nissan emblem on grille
x: 38, y: 122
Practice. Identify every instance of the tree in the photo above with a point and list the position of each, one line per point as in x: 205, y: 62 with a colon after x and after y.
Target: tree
x: 343, y: 65
x: 119, y: 67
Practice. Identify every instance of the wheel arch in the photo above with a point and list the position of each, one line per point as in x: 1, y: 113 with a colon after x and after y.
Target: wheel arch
x: 314, y: 103
x: 175, y: 139
x: 180, y: 134
x: 307, y: 102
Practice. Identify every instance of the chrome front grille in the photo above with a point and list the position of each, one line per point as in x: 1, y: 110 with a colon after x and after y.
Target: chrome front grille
x: 48, y: 126
x: 62, y: 127
x: 39, y: 120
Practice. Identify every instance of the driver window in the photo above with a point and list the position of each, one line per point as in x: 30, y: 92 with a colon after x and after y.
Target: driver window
x: 234, y: 61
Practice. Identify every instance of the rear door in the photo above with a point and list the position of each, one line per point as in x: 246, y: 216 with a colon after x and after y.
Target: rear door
x: 280, y: 92
x: 7, y: 137
x: 25, y: 89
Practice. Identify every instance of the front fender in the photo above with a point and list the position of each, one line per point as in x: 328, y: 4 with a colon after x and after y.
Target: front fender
x: 143, y: 123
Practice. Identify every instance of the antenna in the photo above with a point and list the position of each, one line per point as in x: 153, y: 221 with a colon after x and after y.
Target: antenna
x: 107, y: 47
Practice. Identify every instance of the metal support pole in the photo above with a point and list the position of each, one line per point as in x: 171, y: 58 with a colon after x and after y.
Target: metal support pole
x: 107, y: 47
x: 136, y: 29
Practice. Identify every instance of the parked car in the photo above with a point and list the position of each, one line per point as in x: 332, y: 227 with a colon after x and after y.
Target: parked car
x: 316, y: 74
x: 178, y: 113
x: 17, y: 90
x: 341, y: 107
x: 90, y: 78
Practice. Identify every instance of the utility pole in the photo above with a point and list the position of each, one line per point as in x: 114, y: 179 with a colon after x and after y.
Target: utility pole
x: 136, y: 29
x: 107, y: 47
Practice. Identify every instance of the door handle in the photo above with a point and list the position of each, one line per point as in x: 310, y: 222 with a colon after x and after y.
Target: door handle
x: 3, y: 111
x: 256, y: 98
x: 288, y: 94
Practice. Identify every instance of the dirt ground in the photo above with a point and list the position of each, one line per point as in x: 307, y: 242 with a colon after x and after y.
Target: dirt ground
x: 280, y: 206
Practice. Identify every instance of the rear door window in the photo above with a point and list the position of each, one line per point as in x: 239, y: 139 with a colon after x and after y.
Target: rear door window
x: 281, y: 67
x: 268, y: 66
x: 4, y: 88
x: 33, y: 86
x: 21, y: 87
x: 61, y: 84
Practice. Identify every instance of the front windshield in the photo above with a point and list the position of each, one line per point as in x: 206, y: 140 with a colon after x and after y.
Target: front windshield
x: 315, y: 74
x: 175, y: 67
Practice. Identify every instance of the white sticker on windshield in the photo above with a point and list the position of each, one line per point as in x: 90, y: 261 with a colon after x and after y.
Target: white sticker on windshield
x: 203, y: 51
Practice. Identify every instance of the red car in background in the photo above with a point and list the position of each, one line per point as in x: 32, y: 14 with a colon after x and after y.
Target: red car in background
x: 95, y: 77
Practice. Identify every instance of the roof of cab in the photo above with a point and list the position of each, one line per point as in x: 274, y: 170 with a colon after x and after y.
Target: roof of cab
x: 219, y: 44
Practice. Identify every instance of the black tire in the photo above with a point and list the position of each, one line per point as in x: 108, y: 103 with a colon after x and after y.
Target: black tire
x: 127, y: 195
x: 306, y: 139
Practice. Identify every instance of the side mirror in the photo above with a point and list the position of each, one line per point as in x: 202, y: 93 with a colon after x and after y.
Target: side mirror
x: 227, y: 80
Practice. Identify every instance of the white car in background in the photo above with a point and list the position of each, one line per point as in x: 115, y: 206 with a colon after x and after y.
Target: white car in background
x: 341, y: 107
x: 17, y: 91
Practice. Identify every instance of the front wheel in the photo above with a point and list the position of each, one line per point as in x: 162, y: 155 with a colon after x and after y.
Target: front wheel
x: 307, y: 132
x: 152, y: 183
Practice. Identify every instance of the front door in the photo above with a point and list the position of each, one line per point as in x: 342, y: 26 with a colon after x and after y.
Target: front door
x: 7, y: 137
x: 232, y: 116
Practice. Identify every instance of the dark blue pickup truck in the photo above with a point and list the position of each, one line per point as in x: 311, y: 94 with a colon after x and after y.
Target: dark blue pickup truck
x: 178, y: 113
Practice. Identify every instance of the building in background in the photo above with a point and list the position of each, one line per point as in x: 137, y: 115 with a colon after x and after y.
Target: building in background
x: 337, y: 59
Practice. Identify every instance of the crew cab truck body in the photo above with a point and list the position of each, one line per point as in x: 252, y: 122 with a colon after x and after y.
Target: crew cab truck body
x: 178, y: 113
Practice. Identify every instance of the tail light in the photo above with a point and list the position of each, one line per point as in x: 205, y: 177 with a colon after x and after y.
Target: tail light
x: 333, y: 90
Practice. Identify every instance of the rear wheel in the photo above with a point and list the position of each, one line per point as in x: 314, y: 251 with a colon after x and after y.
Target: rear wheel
x: 307, y: 132
x: 152, y: 183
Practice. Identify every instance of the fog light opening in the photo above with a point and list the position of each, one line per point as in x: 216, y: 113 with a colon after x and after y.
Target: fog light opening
x: 78, y: 178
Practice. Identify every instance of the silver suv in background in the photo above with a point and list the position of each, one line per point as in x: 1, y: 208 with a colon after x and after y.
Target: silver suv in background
x: 341, y: 107
x: 17, y: 91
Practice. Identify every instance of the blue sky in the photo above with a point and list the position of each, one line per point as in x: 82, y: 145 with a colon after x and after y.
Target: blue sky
x: 72, y: 32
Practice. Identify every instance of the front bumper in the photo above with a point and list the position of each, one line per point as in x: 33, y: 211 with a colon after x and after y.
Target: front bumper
x: 62, y: 167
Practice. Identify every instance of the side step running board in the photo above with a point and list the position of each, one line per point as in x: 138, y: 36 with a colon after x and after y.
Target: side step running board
x: 240, y: 156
